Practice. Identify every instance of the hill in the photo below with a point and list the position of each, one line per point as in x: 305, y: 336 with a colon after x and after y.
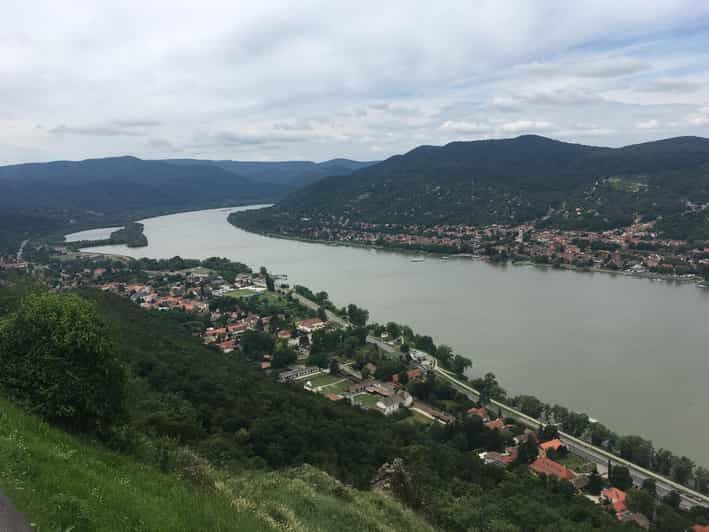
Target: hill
x: 508, y: 181
x: 65, y: 482
x: 40, y: 197
x: 291, y: 173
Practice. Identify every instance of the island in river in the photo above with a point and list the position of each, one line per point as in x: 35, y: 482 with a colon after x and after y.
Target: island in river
x: 629, y: 352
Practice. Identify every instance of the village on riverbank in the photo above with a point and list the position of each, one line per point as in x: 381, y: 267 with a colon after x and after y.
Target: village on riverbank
x: 299, y: 338
x: 633, y: 250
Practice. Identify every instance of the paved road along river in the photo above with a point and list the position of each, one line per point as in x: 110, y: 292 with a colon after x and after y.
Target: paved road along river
x: 630, y: 352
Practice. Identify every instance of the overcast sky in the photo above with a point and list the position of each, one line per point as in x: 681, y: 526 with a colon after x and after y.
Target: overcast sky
x: 266, y: 80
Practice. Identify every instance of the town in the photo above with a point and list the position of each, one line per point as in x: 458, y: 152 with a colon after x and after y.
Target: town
x: 299, y: 338
x: 636, y: 249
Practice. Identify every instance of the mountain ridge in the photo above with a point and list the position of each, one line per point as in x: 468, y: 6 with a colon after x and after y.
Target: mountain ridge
x: 510, y: 181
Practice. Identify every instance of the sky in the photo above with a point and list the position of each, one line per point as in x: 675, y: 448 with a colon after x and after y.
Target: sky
x: 365, y: 80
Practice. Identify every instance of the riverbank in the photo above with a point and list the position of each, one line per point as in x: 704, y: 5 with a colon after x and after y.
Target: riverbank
x: 596, y: 343
x: 653, y: 276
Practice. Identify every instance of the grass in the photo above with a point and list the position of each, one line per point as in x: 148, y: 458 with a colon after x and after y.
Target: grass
x: 64, y: 482
x: 417, y: 419
x: 242, y: 292
x: 368, y: 400
x: 338, y: 387
x: 323, y: 380
x: 576, y: 463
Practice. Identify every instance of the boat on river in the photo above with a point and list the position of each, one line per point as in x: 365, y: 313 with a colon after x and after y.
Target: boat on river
x: 417, y: 259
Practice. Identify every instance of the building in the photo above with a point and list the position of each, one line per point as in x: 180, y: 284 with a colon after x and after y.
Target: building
x: 545, y: 466
x: 311, y: 325
x: 615, y: 498
x: 552, y: 445
x: 298, y: 372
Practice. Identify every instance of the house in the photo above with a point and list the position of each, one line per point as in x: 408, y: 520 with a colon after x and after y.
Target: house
x: 700, y: 528
x: 227, y: 346
x: 285, y: 334
x: 265, y: 365
x: 480, y: 412
x: 552, y: 445
x: 494, y: 458
x: 311, y: 325
x: 298, y: 372
x: 545, y: 466
x: 334, y: 397
x: 380, y: 388
x: 412, y: 375
x: 615, y: 498
x: 496, y: 424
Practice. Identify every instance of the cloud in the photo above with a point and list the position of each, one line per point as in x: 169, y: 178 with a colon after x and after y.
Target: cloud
x: 465, y: 127
x: 673, y: 85
x: 94, y: 131
x: 329, y: 80
x: 700, y: 118
x: 519, y: 126
x: 648, y: 124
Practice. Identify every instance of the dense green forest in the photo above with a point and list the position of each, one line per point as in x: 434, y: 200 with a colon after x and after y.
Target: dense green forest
x: 505, y: 181
x: 178, y: 393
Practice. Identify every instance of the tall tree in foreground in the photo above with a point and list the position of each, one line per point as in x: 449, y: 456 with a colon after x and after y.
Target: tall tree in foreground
x: 58, y: 359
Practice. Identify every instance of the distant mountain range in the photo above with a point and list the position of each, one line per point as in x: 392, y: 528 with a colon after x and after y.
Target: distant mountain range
x: 508, y: 181
x: 37, y: 197
x: 290, y: 173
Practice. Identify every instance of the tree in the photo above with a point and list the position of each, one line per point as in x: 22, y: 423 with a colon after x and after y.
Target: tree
x: 270, y: 285
x: 357, y: 316
x: 663, y: 461
x: 393, y: 329
x: 672, y: 499
x: 58, y: 359
x: 619, y: 476
x: 334, y: 366
x: 637, y: 450
x: 682, y: 469
x: 701, y: 479
x: 595, y: 483
x: 650, y: 486
x: 548, y: 432
x: 322, y: 314
x: 444, y: 354
x: 460, y: 363
x: 641, y: 501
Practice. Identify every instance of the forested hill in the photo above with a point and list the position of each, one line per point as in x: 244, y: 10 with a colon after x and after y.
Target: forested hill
x: 40, y: 197
x: 292, y: 173
x: 119, y: 183
x: 512, y: 181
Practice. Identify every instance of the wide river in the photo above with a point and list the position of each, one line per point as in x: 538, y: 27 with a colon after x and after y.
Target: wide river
x: 631, y: 353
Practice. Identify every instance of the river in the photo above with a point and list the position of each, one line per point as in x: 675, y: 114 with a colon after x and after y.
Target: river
x: 631, y: 353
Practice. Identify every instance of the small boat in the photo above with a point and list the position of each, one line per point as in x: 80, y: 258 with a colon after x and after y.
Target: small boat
x: 417, y: 259
x: 444, y: 257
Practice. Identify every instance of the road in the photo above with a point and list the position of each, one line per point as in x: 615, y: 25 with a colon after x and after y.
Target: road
x: 21, y: 250
x: 594, y: 454
x: 579, y: 447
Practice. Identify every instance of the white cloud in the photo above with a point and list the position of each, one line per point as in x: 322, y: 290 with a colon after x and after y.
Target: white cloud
x: 519, y: 126
x: 648, y: 124
x: 325, y: 79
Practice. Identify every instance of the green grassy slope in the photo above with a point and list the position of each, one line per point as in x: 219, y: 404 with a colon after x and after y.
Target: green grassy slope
x: 63, y: 482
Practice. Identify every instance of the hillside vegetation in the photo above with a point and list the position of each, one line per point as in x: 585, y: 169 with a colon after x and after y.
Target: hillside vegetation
x: 180, y: 395
x: 506, y: 181
x: 65, y: 482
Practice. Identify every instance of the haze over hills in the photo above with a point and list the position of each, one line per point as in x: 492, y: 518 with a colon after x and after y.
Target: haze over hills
x: 509, y: 181
x: 293, y: 173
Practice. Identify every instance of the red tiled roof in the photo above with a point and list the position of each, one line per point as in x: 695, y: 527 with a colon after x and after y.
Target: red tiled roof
x: 311, y: 322
x: 545, y: 466
x: 480, y: 412
x: 497, y: 424
x: 700, y: 528
x: 551, y: 444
